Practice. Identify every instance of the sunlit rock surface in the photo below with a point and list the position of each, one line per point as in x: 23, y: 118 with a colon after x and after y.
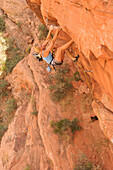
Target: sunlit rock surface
x: 89, y: 23
x: 30, y: 140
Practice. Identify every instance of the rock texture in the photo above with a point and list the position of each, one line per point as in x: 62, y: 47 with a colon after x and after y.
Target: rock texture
x: 21, y: 22
x: 30, y: 141
x: 22, y: 146
x: 89, y: 24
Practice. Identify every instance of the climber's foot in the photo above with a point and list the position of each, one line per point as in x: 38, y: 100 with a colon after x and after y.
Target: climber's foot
x: 56, y: 63
x: 76, y: 58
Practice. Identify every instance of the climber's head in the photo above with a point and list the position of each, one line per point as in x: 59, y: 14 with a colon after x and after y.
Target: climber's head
x: 38, y: 48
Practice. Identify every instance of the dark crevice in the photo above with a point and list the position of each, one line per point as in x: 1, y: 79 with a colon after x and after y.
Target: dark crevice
x: 81, y: 6
x: 107, y: 50
x: 57, y: 2
x: 77, y: 4
x: 94, y: 118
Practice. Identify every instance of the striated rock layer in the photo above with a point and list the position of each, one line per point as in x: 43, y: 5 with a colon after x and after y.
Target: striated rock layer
x: 89, y: 23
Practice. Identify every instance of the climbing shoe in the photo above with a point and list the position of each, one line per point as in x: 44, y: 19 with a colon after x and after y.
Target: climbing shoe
x: 76, y: 58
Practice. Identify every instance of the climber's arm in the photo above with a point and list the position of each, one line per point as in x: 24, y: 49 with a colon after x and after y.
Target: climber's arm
x: 47, y: 39
x: 46, y: 52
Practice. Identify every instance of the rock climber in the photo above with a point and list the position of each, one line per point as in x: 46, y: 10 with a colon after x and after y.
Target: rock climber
x: 43, y: 52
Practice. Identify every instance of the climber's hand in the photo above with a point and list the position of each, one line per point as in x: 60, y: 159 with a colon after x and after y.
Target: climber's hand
x: 51, y: 27
x: 57, y: 27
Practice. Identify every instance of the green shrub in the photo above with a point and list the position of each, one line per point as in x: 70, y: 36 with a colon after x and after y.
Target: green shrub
x: 11, y: 106
x: 19, y: 23
x: 28, y: 168
x: 28, y: 50
x: 74, y: 125
x: 14, y: 55
x: 3, y: 88
x: 43, y: 31
x: 77, y: 76
x: 2, y: 25
x: 8, y: 104
x: 84, y: 164
x: 62, y: 84
x: 12, y: 62
x: 3, y: 129
x: 34, y: 113
x: 65, y: 126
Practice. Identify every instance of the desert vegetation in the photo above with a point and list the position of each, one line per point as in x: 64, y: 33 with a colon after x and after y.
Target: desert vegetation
x: 14, y: 55
x: 7, y: 101
x: 65, y: 126
x: 43, y: 31
x: 85, y: 164
x: 2, y: 24
x: 61, y: 83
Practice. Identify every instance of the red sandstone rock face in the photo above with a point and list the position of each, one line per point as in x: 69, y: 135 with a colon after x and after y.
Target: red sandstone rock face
x: 22, y: 146
x: 20, y: 22
x: 89, y: 23
x: 30, y: 140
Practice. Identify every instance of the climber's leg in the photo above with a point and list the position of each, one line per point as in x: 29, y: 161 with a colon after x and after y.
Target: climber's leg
x: 59, y: 56
x: 48, y: 38
x: 70, y: 55
x: 65, y: 46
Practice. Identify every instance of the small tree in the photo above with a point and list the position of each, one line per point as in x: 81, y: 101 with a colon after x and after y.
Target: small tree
x: 77, y: 76
x: 2, y: 25
x: 3, y: 88
x: 34, y: 113
x: 62, y: 84
x: 65, y: 126
x: 11, y: 106
x: 85, y: 164
x: 3, y: 129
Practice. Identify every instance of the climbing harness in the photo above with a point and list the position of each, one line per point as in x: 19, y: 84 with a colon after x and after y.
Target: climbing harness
x: 47, y: 59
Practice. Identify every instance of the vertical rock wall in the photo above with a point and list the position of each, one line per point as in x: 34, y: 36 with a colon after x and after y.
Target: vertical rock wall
x: 30, y: 141
x: 90, y: 25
